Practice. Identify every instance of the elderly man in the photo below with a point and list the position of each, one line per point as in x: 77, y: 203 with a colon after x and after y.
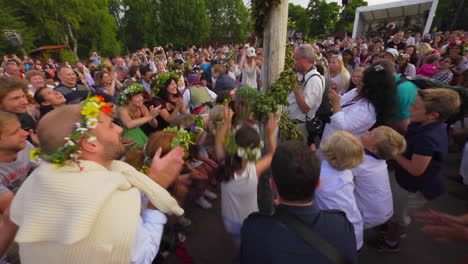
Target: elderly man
x: 121, y: 69
x: 81, y: 205
x: 305, y: 100
x: 73, y: 92
x: 12, y: 69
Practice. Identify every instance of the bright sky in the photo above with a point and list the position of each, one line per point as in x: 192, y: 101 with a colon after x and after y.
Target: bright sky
x: 305, y: 2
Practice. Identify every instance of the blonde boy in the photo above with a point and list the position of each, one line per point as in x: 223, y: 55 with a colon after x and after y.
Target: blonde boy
x: 372, y: 187
x: 340, y: 152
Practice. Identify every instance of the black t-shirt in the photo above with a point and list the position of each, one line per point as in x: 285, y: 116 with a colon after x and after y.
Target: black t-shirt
x: 27, y: 122
x: 267, y: 241
x: 399, y: 46
x: 429, y: 140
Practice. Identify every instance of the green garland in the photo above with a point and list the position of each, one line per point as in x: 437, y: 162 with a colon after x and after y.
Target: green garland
x: 262, y: 104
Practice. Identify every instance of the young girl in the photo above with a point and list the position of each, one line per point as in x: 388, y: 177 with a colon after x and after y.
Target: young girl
x: 241, y: 165
x: 430, y: 66
x: 340, y: 152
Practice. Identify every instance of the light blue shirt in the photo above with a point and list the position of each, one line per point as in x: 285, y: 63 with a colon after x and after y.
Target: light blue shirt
x: 148, y: 237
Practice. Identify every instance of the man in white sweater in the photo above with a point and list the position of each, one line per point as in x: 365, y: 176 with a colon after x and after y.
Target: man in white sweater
x: 81, y: 205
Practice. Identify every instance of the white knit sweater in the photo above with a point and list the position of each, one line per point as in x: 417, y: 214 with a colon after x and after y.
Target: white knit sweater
x: 70, y: 216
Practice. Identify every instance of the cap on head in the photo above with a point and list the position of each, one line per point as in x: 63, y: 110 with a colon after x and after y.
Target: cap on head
x: 251, y: 52
x: 393, y: 52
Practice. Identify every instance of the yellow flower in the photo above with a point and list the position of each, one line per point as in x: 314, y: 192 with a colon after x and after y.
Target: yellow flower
x: 93, y: 99
x: 34, y: 154
x: 90, y: 110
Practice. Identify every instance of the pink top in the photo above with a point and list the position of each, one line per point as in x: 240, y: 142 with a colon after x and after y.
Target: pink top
x: 427, y: 70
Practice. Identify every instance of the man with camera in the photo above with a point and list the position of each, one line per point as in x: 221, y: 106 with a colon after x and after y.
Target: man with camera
x: 305, y: 99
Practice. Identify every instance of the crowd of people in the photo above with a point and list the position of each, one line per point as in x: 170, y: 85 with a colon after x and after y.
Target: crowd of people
x: 118, y: 143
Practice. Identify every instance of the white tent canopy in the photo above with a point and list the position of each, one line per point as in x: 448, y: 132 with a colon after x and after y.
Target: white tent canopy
x: 416, y: 10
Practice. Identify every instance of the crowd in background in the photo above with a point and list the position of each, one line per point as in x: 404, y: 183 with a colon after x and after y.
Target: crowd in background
x: 158, y: 96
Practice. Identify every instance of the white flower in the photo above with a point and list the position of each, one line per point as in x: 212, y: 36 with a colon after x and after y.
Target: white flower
x: 240, y: 152
x: 69, y: 143
x: 91, y: 139
x: 78, y: 124
x: 92, y: 122
x: 258, y: 153
x: 82, y: 130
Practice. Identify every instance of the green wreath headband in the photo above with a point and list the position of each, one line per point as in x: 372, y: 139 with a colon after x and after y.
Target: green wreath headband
x: 129, y: 91
x: 161, y: 80
x: 251, y: 154
x: 92, y: 106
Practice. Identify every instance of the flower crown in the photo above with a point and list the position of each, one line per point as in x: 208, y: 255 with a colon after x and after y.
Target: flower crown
x: 403, y: 56
x: 129, y: 91
x: 71, y: 150
x: 161, y: 80
x: 248, y: 153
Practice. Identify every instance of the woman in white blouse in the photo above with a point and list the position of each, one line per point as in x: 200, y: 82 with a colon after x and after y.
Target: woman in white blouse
x: 361, y: 108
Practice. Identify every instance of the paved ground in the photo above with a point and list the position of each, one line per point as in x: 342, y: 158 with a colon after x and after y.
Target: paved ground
x: 208, y: 242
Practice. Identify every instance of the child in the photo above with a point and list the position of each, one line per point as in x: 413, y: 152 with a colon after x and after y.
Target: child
x: 199, y: 160
x: 372, y: 186
x: 341, y: 152
x: 418, y: 172
x: 240, y: 166
x: 430, y: 66
x: 445, y: 74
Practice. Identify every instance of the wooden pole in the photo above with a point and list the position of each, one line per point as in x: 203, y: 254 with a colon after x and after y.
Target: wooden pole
x: 274, y: 43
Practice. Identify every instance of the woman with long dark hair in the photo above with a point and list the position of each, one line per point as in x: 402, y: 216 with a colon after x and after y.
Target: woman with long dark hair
x: 370, y: 106
x: 169, y: 97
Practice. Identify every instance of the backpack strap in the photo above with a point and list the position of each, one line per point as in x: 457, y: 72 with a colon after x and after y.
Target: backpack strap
x: 295, y: 225
x: 402, y: 80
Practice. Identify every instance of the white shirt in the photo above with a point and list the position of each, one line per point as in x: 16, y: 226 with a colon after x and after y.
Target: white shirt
x: 312, y: 91
x: 410, y: 41
x: 410, y: 70
x: 336, y: 191
x: 356, y: 118
x: 372, y: 191
x: 239, y: 195
x: 249, y: 75
x: 148, y: 237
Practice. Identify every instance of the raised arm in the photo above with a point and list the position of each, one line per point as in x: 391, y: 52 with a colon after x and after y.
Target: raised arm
x: 264, y: 163
x: 221, y: 134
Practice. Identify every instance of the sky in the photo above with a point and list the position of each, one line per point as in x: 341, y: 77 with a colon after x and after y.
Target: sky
x: 305, y: 2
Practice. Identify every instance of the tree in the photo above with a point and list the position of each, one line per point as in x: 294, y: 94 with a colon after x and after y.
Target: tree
x: 348, y: 13
x: 323, y: 16
x: 451, y: 15
x: 84, y: 25
x: 10, y: 22
x: 229, y: 20
x: 297, y: 15
x: 184, y: 22
x: 139, y: 20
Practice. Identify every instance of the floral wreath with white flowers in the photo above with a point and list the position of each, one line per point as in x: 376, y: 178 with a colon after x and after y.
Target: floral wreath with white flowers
x: 161, y: 80
x: 92, y: 106
x: 249, y: 153
x: 130, y: 91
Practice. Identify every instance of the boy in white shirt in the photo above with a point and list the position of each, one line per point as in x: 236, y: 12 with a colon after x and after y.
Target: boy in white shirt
x: 372, y: 186
x: 340, y: 152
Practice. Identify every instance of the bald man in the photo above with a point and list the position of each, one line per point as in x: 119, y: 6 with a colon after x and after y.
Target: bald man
x: 90, y: 212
